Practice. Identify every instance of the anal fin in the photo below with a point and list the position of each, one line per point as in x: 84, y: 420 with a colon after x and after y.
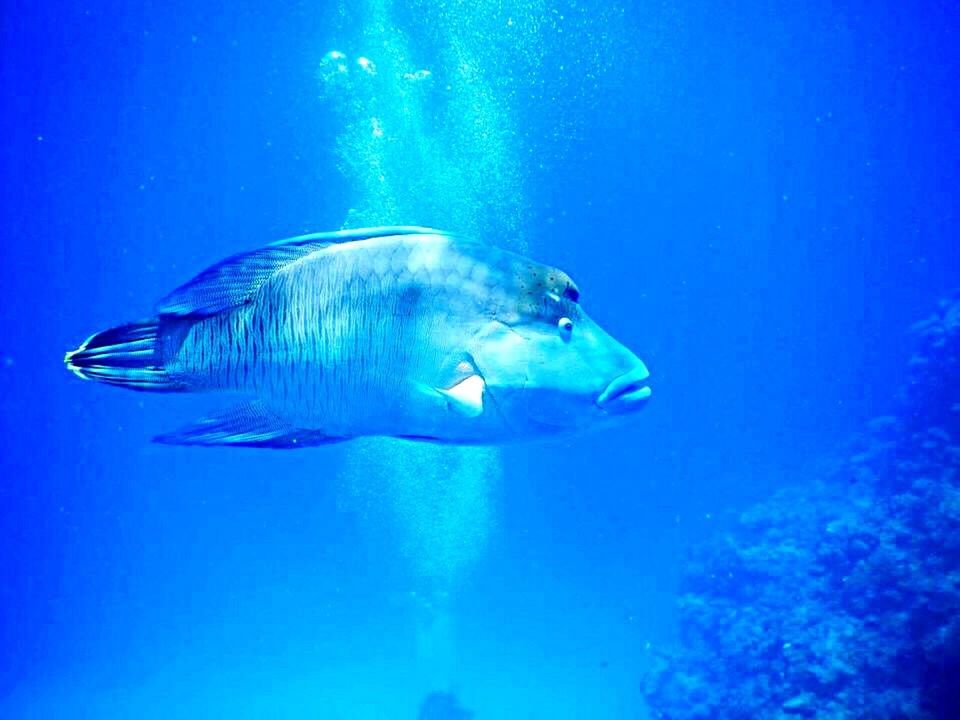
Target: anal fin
x: 246, y: 425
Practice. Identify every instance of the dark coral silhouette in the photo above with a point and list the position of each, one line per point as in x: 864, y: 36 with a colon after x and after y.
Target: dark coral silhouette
x: 839, y: 599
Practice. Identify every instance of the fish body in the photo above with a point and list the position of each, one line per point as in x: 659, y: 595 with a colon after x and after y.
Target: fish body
x: 402, y: 332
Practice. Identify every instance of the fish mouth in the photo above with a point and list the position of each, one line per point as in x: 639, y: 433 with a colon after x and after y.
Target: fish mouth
x: 626, y: 393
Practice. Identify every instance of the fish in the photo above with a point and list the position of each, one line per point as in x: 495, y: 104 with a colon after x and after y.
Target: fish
x: 406, y: 332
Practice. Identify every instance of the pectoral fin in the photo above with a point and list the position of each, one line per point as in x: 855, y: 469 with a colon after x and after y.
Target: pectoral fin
x: 247, y: 425
x: 466, y: 397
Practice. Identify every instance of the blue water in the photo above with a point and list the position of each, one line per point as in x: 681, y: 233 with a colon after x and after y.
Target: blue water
x: 758, y: 200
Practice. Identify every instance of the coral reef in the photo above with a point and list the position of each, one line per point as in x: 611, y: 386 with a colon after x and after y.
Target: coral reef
x: 839, y: 599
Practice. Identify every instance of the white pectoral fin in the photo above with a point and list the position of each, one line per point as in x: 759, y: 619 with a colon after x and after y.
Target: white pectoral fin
x: 466, y: 397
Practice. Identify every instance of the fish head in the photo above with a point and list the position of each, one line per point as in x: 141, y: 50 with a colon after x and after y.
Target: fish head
x: 549, y: 368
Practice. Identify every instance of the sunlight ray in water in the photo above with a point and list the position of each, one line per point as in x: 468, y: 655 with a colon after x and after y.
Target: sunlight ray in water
x: 461, y: 171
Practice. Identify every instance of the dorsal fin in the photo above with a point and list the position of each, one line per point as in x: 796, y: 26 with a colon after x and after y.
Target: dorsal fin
x: 232, y: 282
x: 344, y: 236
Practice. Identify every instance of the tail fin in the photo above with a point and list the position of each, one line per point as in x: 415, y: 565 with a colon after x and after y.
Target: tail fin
x: 127, y: 356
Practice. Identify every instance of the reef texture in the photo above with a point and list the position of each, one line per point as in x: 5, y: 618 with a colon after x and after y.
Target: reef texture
x: 839, y: 599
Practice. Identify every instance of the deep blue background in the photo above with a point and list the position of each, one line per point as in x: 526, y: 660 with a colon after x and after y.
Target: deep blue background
x: 761, y: 199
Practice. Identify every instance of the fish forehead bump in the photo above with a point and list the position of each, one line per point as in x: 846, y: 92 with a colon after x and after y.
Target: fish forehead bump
x: 535, y: 278
x: 533, y: 290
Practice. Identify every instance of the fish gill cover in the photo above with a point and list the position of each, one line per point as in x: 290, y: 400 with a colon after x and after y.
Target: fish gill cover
x: 838, y: 599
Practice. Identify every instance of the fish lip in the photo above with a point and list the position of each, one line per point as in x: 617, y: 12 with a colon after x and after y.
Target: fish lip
x: 626, y: 392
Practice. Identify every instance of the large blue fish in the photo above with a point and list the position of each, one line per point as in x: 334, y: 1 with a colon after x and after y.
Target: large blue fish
x: 397, y: 331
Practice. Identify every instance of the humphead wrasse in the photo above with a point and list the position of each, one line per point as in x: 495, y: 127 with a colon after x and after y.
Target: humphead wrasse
x: 398, y: 331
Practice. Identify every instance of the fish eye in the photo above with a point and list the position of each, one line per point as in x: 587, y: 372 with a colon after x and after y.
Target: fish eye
x: 565, y: 325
